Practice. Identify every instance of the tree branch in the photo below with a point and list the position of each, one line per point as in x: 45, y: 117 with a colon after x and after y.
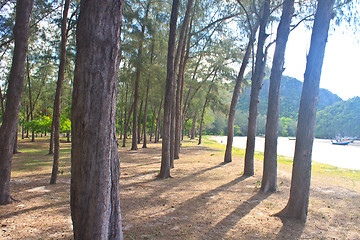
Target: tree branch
x: 213, y: 23
x: 34, y: 24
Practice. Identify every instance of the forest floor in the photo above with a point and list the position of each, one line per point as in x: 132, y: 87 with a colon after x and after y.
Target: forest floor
x: 204, y: 199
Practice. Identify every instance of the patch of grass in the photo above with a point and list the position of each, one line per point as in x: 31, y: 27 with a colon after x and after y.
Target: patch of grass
x: 34, y: 156
x: 65, y: 150
x: 328, y: 170
x: 28, y: 149
x: 214, y: 144
x: 285, y: 160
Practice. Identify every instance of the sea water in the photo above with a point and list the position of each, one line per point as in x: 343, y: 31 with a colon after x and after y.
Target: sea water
x: 344, y: 156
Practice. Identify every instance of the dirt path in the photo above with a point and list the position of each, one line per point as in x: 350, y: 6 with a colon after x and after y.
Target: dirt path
x: 203, y: 200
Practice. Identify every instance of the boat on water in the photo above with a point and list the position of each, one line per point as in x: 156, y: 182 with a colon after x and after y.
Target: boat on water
x: 340, y: 142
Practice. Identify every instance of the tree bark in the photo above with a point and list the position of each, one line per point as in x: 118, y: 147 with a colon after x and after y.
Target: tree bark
x: 180, y: 95
x: 121, y: 124
x: 126, y: 125
x: 30, y: 99
x: 256, y: 84
x: 176, y: 117
x: 136, y: 121
x: 203, y: 112
x: 145, y: 111
x: 172, y: 127
x: 2, y: 102
x: 139, y: 123
x: 22, y: 130
x: 157, y: 128
x: 57, y: 101
x: 269, y: 179
x: 193, y: 127
x: 51, y: 141
x: 95, y: 203
x: 136, y: 99
x: 165, y: 155
x: 297, y: 206
x: 14, y: 92
x: 152, y: 124
x: 234, y: 101
x: 15, y: 151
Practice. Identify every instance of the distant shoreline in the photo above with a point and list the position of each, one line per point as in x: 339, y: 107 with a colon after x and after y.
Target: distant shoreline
x: 323, y: 150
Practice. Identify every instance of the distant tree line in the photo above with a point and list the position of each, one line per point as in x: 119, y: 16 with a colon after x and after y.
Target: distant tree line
x: 335, y: 117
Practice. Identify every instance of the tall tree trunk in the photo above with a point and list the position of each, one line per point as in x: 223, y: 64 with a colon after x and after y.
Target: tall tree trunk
x: 180, y: 95
x: 145, y: 111
x: 256, y: 84
x: 22, y: 129
x: 33, y: 136
x: 152, y: 124
x: 136, y: 132
x: 15, y: 151
x: 139, y: 122
x: 30, y: 99
x: 95, y: 200
x: 183, y: 129
x: 57, y: 102
x: 175, y: 145
x: 234, y: 101
x: 125, y: 116
x: 51, y: 141
x: 203, y: 113
x: 297, y: 206
x: 14, y: 92
x: 157, y: 129
x: 23, y: 121
x: 27, y: 120
x: 269, y: 179
x: 178, y: 108
x: 135, y: 118
x: 121, y: 125
x: 165, y: 155
x: 193, y: 127
x: 172, y: 128
x: 2, y: 102
x: 126, y: 125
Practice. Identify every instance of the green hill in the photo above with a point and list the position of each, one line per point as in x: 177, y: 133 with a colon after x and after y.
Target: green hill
x: 340, y: 119
x: 334, y: 117
x: 289, y: 105
x: 289, y: 100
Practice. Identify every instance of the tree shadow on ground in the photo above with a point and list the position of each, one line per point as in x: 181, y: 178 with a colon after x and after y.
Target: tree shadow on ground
x: 139, y: 165
x: 181, y: 180
x: 231, y: 220
x: 24, y: 211
x: 291, y: 228
x: 178, y: 216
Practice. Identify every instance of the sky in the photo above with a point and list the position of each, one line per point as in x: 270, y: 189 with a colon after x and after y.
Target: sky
x: 341, y: 67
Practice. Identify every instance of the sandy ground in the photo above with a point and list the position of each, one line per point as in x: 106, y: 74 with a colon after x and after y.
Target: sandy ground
x: 204, y: 199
